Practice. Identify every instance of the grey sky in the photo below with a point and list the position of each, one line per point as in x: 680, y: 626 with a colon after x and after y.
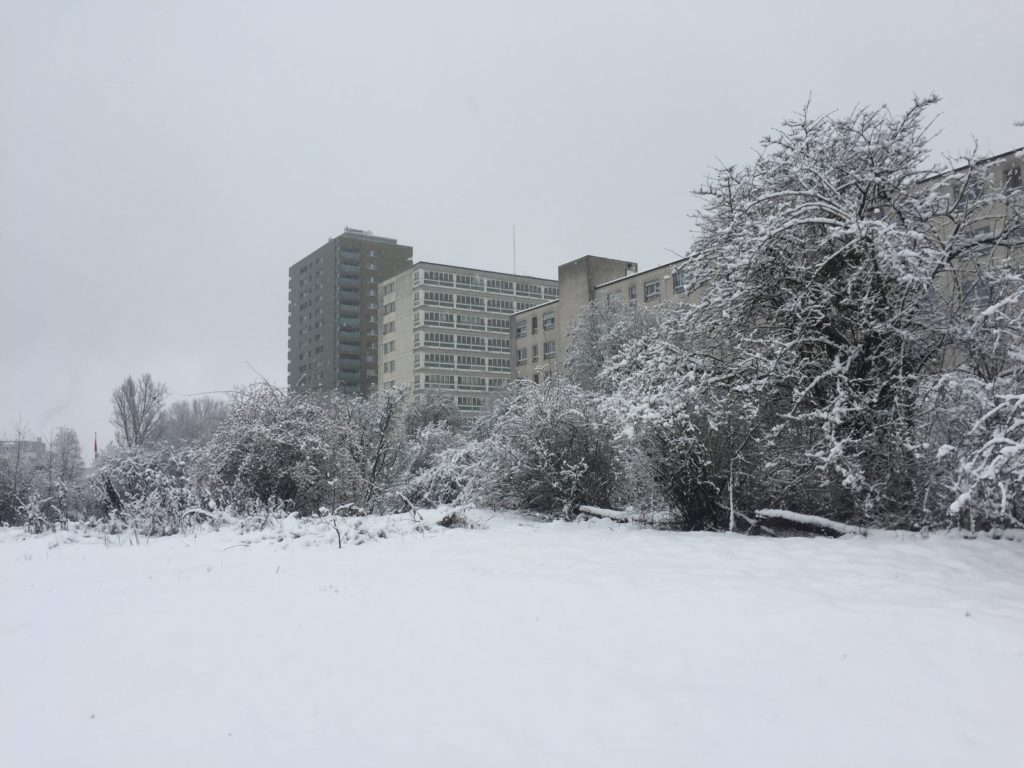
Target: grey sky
x: 162, y: 163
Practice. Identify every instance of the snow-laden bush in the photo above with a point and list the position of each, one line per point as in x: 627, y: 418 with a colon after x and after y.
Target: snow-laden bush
x: 441, y: 461
x: 678, y: 425
x: 275, y: 445
x: 549, y: 447
x: 306, y: 450
x: 828, y: 280
x: 148, y: 489
x: 600, y: 333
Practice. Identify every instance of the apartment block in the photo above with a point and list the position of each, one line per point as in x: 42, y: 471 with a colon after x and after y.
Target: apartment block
x: 446, y: 328
x: 332, y: 311
x: 540, y: 335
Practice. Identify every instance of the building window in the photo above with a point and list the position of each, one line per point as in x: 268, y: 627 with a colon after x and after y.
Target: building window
x: 438, y: 360
x: 438, y: 278
x: 549, y: 349
x: 652, y: 290
x: 438, y: 298
x: 520, y: 328
x: 1013, y: 180
x: 521, y: 355
x: 443, y: 319
x: 526, y: 289
x: 678, y: 281
x: 477, y: 383
x: 438, y: 381
x: 549, y: 319
x: 471, y: 361
x: 498, y: 325
x: 389, y: 327
x: 469, y: 282
x: 632, y: 294
x: 500, y: 286
x: 438, y: 339
x: 504, y: 306
x: 389, y: 308
x: 978, y: 294
x: 535, y: 353
x: 533, y: 324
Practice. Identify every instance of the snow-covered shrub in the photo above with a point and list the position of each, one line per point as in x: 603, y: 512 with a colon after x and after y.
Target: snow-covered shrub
x: 600, y: 333
x: 306, y: 450
x: 445, y: 479
x: 676, y: 424
x: 431, y: 408
x: 147, y: 488
x: 37, y: 514
x: 549, y: 448
x: 376, y: 447
x: 272, y: 445
x: 820, y: 277
x: 440, y: 461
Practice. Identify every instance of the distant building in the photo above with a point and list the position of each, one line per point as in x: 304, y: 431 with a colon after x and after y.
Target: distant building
x: 540, y: 335
x: 446, y: 328
x: 332, y: 311
x: 27, y: 455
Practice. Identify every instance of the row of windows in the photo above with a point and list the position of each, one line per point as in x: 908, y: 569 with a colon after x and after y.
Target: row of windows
x: 490, y: 285
x: 446, y: 360
x: 450, y: 381
x: 473, y: 303
x: 652, y: 289
x: 549, y: 323
x: 452, y: 320
x: 549, y: 348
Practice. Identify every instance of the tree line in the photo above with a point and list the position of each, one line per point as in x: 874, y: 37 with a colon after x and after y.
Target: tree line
x: 850, y: 347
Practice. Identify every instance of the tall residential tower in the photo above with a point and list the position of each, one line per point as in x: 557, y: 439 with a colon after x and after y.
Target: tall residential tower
x: 332, y: 311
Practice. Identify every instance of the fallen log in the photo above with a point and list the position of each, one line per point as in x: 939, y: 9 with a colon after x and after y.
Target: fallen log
x: 814, y: 522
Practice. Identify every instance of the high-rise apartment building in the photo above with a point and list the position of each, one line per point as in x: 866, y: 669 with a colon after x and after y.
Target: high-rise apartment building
x: 332, y: 311
x: 446, y: 328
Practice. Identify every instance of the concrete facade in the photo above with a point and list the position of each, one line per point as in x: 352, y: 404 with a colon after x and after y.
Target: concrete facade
x: 541, y: 335
x: 332, y: 311
x: 446, y: 328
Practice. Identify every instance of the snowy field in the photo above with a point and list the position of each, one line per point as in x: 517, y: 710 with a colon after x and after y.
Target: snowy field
x: 521, y: 644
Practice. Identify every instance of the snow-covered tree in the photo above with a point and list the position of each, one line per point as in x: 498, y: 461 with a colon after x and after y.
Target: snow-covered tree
x: 138, y: 408
x: 273, y: 446
x: 826, y: 282
x: 67, y: 455
x: 192, y: 422
x: 548, y: 448
x: 600, y: 332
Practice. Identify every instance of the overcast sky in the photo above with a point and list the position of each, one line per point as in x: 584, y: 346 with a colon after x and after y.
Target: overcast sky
x: 162, y: 163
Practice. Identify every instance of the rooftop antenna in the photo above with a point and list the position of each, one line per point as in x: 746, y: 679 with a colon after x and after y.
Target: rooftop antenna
x: 513, y: 249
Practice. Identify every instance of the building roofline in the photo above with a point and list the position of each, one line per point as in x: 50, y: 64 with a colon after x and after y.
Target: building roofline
x: 417, y: 264
x: 535, y: 306
x: 982, y: 161
x: 638, y: 274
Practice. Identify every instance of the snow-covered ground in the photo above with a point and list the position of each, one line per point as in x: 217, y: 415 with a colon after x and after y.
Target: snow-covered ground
x: 521, y: 644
